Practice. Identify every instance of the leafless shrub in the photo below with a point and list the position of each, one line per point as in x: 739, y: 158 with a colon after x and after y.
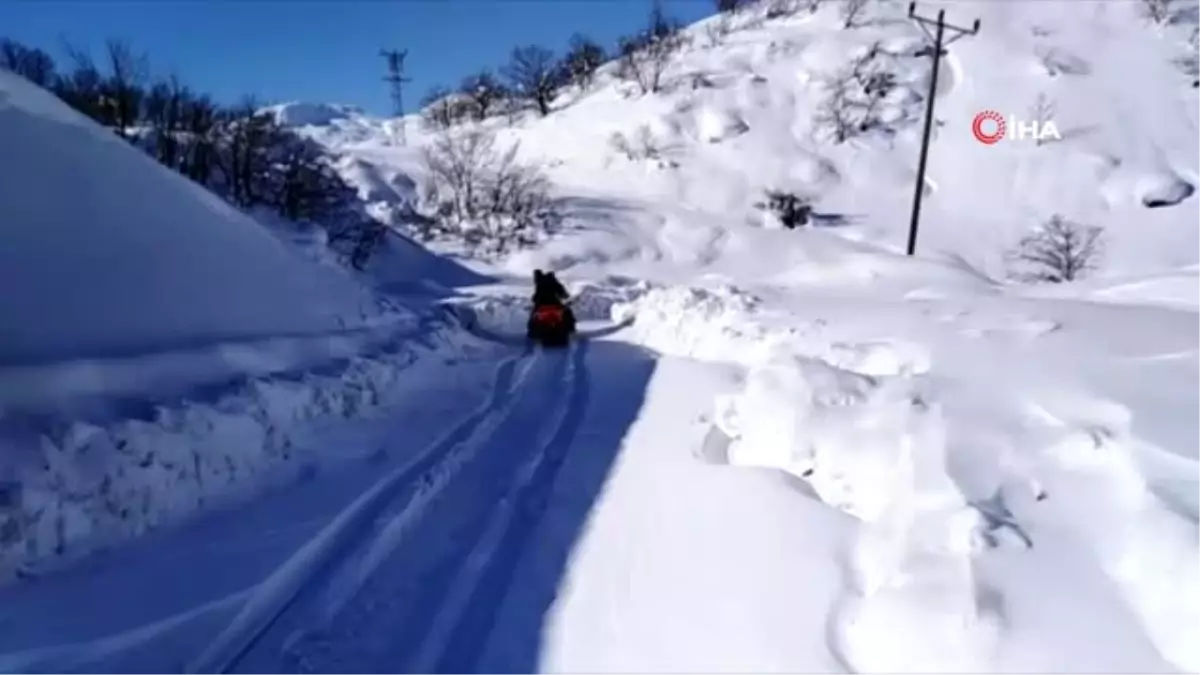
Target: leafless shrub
x: 641, y: 146
x: 442, y: 109
x: 483, y: 196
x: 645, y: 60
x: 851, y: 11
x: 534, y: 75
x: 33, y: 64
x: 791, y: 209
x: 854, y: 95
x: 583, y: 58
x: 1059, y: 251
x: 716, y: 31
x: 644, y: 57
x: 732, y: 6
x: 481, y: 92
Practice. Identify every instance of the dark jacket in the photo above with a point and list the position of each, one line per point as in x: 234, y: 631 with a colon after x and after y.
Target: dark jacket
x: 548, y: 290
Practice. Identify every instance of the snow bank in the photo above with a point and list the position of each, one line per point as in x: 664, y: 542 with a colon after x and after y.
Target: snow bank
x: 70, y: 486
x: 975, y: 496
x: 726, y: 324
x: 710, y: 324
x: 108, y: 252
x: 875, y: 449
x: 841, y: 430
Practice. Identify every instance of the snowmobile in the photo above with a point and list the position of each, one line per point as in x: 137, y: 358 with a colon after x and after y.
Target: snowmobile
x: 551, y: 325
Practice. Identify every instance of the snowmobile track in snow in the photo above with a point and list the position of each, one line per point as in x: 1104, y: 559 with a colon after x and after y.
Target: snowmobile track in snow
x: 400, y: 500
x: 459, y: 631
x: 277, y: 592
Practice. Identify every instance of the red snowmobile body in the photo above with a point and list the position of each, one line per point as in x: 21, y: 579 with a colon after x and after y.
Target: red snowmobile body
x: 551, y: 325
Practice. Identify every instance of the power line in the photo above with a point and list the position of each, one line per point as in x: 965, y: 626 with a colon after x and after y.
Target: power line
x: 937, y: 51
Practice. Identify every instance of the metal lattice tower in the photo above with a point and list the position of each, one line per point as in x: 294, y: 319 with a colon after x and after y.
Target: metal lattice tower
x: 396, y: 78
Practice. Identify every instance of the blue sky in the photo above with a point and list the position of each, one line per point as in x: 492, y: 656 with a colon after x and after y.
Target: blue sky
x: 326, y: 51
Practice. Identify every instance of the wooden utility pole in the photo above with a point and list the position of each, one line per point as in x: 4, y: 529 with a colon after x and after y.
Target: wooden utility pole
x: 937, y: 51
x: 396, y: 78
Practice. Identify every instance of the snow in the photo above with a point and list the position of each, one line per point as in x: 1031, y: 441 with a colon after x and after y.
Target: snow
x: 771, y: 450
x: 77, y: 194
x: 161, y: 349
x: 297, y: 114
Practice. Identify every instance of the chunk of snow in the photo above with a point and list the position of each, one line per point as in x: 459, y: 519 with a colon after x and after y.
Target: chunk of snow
x: 1161, y: 190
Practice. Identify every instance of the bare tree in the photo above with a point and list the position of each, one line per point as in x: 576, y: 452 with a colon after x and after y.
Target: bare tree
x: 83, y: 88
x: 855, y: 93
x: 1060, y: 250
x: 127, y: 73
x: 851, y: 9
x: 717, y: 30
x: 534, y: 75
x: 246, y: 141
x: 583, y: 57
x: 198, y: 143
x: 641, y: 146
x: 836, y: 109
x: 645, y: 58
x: 34, y: 65
x: 483, y: 196
x: 483, y: 91
x: 782, y: 8
x: 163, y: 111
x: 439, y: 109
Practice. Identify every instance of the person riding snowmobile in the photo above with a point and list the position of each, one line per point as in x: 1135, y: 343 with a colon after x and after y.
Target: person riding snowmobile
x: 548, y: 290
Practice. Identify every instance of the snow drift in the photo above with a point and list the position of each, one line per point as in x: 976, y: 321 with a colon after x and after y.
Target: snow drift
x: 107, y: 252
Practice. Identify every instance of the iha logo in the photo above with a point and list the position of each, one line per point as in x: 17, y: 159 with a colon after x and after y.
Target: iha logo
x: 989, y: 127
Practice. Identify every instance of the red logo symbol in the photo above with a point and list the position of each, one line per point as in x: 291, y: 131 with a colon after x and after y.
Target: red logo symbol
x: 983, y: 136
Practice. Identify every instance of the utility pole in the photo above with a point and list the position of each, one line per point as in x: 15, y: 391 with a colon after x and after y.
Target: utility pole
x: 937, y: 51
x: 396, y: 78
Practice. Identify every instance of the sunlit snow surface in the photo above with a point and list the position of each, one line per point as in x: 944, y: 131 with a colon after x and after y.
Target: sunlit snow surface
x: 778, y: 450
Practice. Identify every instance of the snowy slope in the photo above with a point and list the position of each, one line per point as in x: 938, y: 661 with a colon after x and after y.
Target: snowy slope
x: 1128, y: 117
x: 143, y: 258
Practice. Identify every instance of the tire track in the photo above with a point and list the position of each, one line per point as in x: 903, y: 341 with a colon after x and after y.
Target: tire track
x: 337, y: 540
x: 459, y: 631
x: 448, y: 565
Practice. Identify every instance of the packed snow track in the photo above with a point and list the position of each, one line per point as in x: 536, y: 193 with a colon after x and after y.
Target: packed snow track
x: 427, y: 548
x: 408, y: 572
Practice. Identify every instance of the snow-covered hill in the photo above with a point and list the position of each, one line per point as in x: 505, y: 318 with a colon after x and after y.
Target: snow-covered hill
x: 742, y: 115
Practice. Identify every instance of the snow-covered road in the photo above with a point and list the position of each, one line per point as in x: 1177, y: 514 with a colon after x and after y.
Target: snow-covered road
x: 400, y: 562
